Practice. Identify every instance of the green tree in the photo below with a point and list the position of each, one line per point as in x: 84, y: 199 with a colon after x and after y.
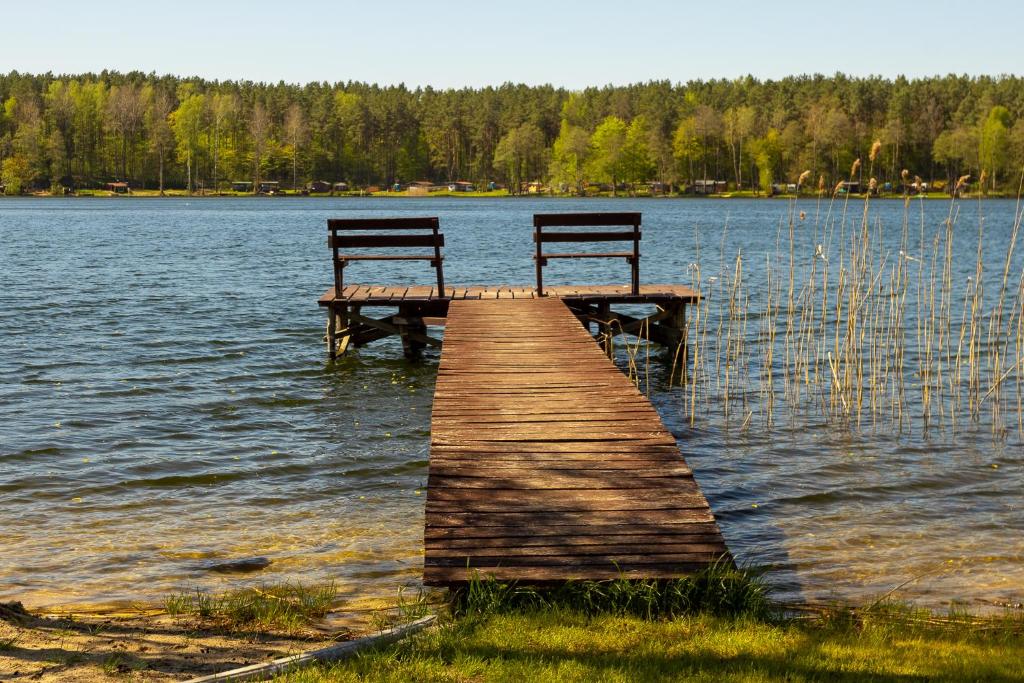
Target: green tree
x: 125, y: 116
x: 223, y: 108
x: 767, y: 153
x: 15, y: 174
x: 158, y: 130
x: 569, y: 157
x: 994, y: 142
x: 957, y: 150
x: 188, y: 122
x: 519, y: 155
x: 1015, y: 150
x: 686, y: 147
x: 637, y: 163
x: 349, y: 139
x: 60, y: 116
x: 90, y: 101
x: 608, y: 144
x: 738, y: 126
x: 260, y: 129
x: 29, y: 143
x: 295, y: 130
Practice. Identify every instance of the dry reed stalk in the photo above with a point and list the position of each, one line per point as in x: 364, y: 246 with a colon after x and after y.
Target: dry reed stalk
x: 850, y: 342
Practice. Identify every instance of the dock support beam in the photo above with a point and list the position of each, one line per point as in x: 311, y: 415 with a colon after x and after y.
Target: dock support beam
x: 338, y: 332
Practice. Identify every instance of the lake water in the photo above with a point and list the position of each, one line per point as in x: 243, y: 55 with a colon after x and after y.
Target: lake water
x: 166, y: 404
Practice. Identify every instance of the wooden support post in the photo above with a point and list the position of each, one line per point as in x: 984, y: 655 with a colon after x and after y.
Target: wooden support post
x: 332, y: 328
x: 677, y: 320
x: 339, y: 333
x: 604, y: 315
x: 401, y: 323
x: 412, y: 330
x: 344, y: 327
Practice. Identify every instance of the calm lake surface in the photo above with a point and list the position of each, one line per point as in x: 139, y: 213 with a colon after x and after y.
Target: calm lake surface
x: 166, y: 404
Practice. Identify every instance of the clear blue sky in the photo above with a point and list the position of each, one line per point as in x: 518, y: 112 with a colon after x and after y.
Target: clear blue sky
x: 453, y: 44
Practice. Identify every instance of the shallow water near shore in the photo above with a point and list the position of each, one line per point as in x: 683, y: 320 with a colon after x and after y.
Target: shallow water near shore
x: 166, y: 405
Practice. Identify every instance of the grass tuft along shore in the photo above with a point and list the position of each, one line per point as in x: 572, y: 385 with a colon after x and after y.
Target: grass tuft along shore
x: 717, y: 626
x: 566, y: 645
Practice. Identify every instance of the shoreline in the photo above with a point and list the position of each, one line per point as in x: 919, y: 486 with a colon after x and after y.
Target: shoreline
x: 150, y: 643
x: 180, y: 194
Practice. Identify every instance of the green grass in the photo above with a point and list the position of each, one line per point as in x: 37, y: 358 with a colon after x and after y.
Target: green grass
x: 287, y: 607
x: 718, y: 625
x: 565, y: 645
x: 721, y: 590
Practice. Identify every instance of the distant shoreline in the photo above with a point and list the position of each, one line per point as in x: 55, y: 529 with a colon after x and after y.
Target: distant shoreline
x: 180, y: 194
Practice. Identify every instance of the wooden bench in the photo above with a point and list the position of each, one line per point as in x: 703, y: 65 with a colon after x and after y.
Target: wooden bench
x: 581, y: 220
x: 345, y: 323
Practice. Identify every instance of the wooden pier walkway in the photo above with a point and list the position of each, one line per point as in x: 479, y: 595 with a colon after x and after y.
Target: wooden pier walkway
x: 546, y: 463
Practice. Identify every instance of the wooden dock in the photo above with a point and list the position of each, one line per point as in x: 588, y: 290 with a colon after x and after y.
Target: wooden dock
x: 416, y: 307
x: 546, y: 463
x: 420, y: 306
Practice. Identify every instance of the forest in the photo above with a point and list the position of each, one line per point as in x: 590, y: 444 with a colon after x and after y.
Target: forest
x: 157, y: 132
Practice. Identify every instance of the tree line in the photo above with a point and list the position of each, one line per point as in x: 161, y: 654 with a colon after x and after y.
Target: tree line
x: 163, y: 131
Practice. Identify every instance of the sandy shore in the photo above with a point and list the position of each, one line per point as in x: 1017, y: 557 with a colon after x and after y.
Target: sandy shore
x: 137, y: 645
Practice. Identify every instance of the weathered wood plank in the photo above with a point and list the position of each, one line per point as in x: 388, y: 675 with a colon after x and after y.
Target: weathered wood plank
x: 445, y: 576
x: 559, y: 542
x: 580, y: 533
x: 546, y: 462
x: 602, y: 560
x: 650, y: 552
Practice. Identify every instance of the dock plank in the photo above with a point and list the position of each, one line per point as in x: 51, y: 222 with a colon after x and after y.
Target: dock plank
x: 546, y: 462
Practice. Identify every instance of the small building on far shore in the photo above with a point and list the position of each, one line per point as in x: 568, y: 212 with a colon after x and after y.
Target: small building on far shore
x: 420, y: 187
x: 119, y: 187
x: 709, y: 186
x: 783, y: 188
x: 461, y: 186
x: 269, y: 187
x: 241, y: 186
x: 341, y: 187
x: 319, y: 186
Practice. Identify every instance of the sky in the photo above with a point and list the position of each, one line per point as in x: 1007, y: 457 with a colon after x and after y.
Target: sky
x: 571, y: 44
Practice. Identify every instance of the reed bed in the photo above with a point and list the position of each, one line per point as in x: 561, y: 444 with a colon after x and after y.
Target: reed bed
x: 847, y: 326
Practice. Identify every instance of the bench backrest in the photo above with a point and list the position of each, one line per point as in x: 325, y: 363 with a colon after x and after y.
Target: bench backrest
x: 347, y: 234
x: 580, y: 220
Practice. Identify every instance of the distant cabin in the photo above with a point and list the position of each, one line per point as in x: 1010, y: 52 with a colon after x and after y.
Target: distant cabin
x: 270, y: 187
x: 783, y: 188
x: 241, y: 186
x: 461, y: 186
x: 535, y: 188
x: 119, y: 188
x: 319, y: 186
x: 421, y: 187
x: 849, y: 187
x: 709, y: 186
x: 341, y: 187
